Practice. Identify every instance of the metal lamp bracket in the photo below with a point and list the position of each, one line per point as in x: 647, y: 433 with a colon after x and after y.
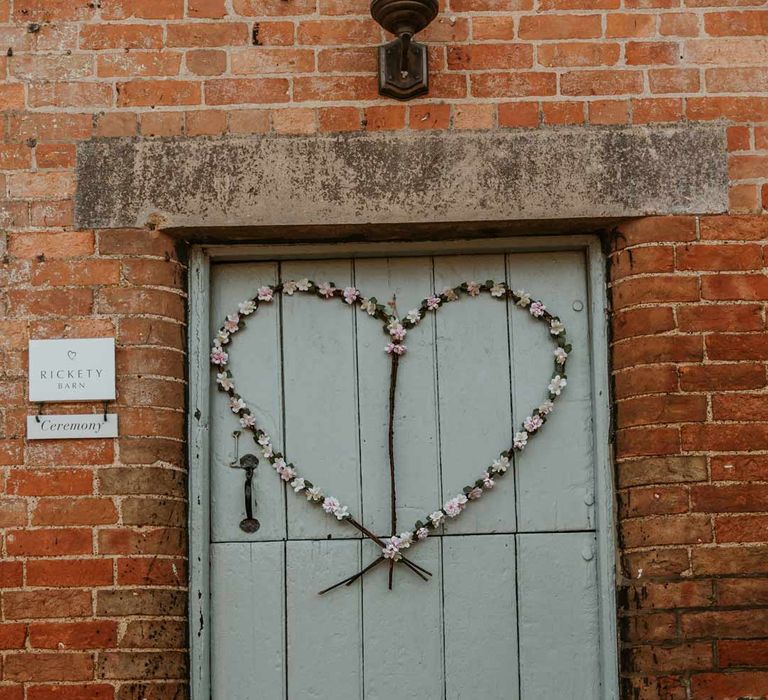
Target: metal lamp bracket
x: 403, y: 69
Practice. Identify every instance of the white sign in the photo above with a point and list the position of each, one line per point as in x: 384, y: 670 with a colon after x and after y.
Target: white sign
x: 89, y: 425
x: 80, y: 369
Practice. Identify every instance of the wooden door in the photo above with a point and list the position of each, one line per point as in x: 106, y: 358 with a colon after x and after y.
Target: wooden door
x: 516, y: 604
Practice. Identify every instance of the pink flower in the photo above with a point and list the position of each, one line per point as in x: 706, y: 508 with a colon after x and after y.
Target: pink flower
x: 537, y: 309
x: 248, y: 420
x: 222, y: 338
x: 473, y: 288
x: 533, y: 423
x: 265, y: 293
x: 330, y: 504
x: 560, y: 356
x: 396, y: 330
x: 236, y: 404
x: 450, y: 294
x: 326, y: 290
x: 488, y: 482
x: 225, y: 381
x: 232, y: 324
x: 290, y: 287
x: 546, y: 408
x: 520, y: 440
x: 350, y: 295
x: 287, y: 473
x: 219, y: 357
x: 433, y: 302
x: 475, y: 493
x: 395, y: 348
x: 422, y: 533
x: 392, y: 551
x: 453, y: 507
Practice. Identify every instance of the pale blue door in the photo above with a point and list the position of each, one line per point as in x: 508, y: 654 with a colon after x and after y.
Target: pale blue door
x: 516, y: 606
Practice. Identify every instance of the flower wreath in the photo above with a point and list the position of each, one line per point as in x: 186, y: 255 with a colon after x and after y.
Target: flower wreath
x: 397, y: 329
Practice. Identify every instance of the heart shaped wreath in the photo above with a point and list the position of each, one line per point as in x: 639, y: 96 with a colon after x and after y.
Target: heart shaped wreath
x: 396, y: 329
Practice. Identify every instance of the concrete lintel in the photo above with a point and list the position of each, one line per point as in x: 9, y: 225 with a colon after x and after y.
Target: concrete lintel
x: 402, y: 178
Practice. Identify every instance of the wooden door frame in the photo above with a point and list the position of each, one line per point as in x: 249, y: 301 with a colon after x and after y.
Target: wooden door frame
x: 198, y: 417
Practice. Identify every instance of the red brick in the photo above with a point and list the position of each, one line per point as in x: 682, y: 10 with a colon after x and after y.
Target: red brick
x: 608, y: 111
x: 50, y: 482
x: 719, y: 257
x: 206, y: 34
x: 560, y: 26
x: 332, y: 88
x: 735, y: 287
x: 678, y: 24
x: 69, y: 573
x: 649, y: 379
x: 665, y: 80
x: 162, y: 124
x: 578, y: 54
x: 273, y: 33
x: 730, y: 623
x: 742, y: 591
x: 99, y: 634
x: 737, y: 108
x: 49, y: 543
x: 337, y: 32
x: 48, y: 667
x: 752, y: 22
x: 430, y: 116
x: 473, y: 116
x: 642, y: 260
x: 260, y: 8
x: 664, y: 409
x: 648, y: 320
x: 77, y: 511
x: 51, y: 302
x: 666, y: 659
x: 630, y: 25
x: 12, y: 635
x: 493, y: 28
x: 139, y: 64
x: 91, y: 691
x: 563, y: 112
x: 54, y: 155
x: 656, y: 110
x: 657, y: 500
x: 601, y: 82
x: 53, y: 10
x: 738, y: 652
x: 742, y: 528
x: 642, y: 53
x: 213, y: 9
x: 636, y: 442
x: 725, y: 437
x: 658, y: 349
x: 729, y: 498
x: 720, y: 317
x: 207, y: 122
x: 142, y: 9
x: 151, y: 93
x: 384, y: 117
x: 734, y: 228
x: 730, y: 686
x: 11, y: 574
x: 40, y: 604
x: 725, y: 52
x: 659, y: 288
x: 670, y: 594
x: 246, y: 91
x: 738, y: 346
x: 490, y: 56
x: 495, y: 85
x: 650, y: 564
x: 739, y: 468
x: 51, y: 244
x: 121, y: 36
x: 151, y: 571
x: 147, y: 541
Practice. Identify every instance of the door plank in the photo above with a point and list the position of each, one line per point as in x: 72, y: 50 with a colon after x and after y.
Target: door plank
x: 555, y: 474
x: 559, y: 623
x: 403, y: 629
x: 255, y: 364
x: 474, y: 392
x: 320, y: 396
x: 480, y: 617
x: 324, y: 632
x: 247, y: 620
x: 416, y: 459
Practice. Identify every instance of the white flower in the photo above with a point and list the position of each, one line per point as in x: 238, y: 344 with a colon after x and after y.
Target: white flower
x: 330, y: 504
x: 488, y: 481
x: 287, y: 473
x: 557, y: 384
x: 263, y: 440
x: 326, y: 290
x: 218, y: 356
x: 455, y: 505
x: 391, y: 551
x: 537, y: 309
x: 450, y: 294
x: 298, y: 484
x: 231, y: 325
x: 546, y: 408
x: 560, y: 356
x: 396, y: 330
x: 433, y: 302
x: 225, y: 381
x: 422, y: 533
x: 236, y: 404
x: 395, y: 348
x: 475, y: 493
x: 246, y: 307
x: 556, y: 326
x: 405, y: 539
x: 290, y: 287
x: 303, y: 285
x: 350, y: 295
x: 222, y: 338
x: 248, y: 420
x: 368, y: 306
x: 268, y: 451
x: 279, y: 464
x: 314, y: 494
x: 264, y: 293
x: 414, y: 316
x: 437, y: 517
x: 473, y: 288
x: 520, y: 440
x: 533, y: 423
x: 498, y: 290
x: 500, y: 465
x: 524, y: 298
x: 341, y: 512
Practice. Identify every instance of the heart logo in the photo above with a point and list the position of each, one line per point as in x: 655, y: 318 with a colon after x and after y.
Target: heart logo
x: 393, y: 547
x: 71, y: 354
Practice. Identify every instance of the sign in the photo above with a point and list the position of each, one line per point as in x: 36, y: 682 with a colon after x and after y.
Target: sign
x: 80, y: 369
x: 89, y: 425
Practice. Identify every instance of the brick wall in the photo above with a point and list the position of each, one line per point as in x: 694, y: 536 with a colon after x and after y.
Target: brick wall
x: 93, y: 572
